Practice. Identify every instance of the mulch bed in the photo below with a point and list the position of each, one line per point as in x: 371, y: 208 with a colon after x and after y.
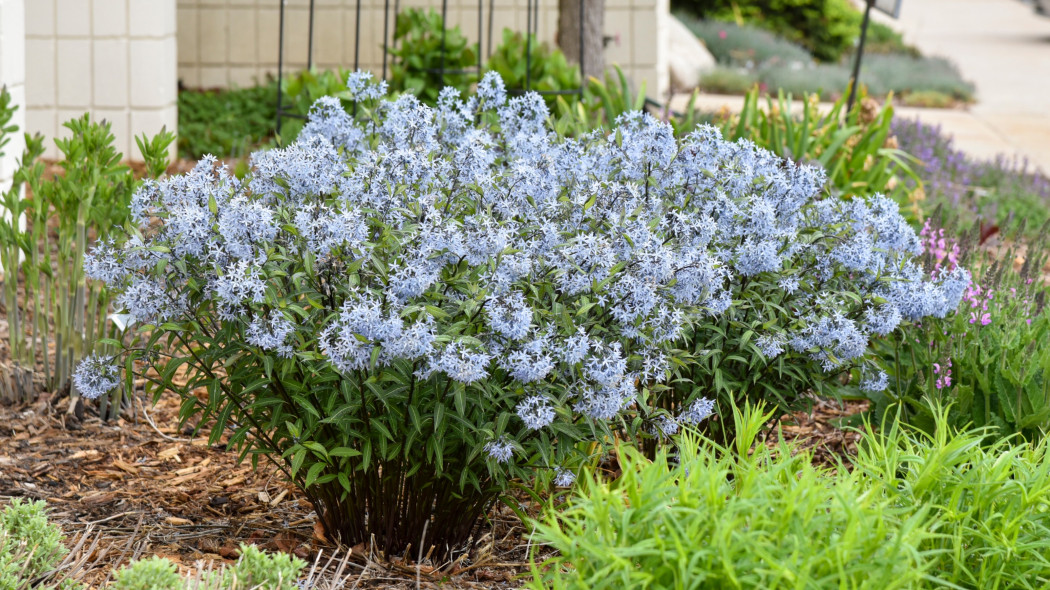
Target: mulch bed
x: 149, y: 489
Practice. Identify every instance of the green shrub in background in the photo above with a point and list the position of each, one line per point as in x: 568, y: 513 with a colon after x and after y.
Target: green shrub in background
x: 419, y: 60
x: 548, y: 69
x: 727, y: 80
x: 738, y: 45
x: 301, y: 91
x: 883, y: 39
x: 880, y: 75
x: 903, y: 73
x: 912, y: 510
x: 226, y: 123
x: 748, y: 55
x: 827, y: 28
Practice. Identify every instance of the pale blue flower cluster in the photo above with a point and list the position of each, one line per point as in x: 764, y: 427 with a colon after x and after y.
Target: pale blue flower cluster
x: 563, y: 477
x: 500, y: 450
x: 472, y: 243
x: 96, y: 376
x: 876, y: 381
x: 700, y: 410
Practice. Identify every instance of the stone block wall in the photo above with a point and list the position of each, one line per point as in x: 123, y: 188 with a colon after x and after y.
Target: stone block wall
x: 235, y: 42
x: 113, y: 58
x: 12, y: 76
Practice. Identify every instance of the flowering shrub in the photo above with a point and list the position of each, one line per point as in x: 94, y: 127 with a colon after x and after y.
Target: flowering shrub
x: 407, y: 310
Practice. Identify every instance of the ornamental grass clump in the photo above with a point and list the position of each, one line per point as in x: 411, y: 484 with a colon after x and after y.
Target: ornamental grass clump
x: 406, y: 310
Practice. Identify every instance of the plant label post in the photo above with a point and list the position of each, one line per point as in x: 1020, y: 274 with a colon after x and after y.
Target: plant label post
x: 889, y: 7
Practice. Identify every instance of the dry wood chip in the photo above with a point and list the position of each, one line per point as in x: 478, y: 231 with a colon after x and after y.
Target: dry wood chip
x: 88, y: 454
x: 187, y: 477
x: 99, y: 499
x: 176, y: 521
x: 277, y: 500
x: 171, y: 454
x: 232, y: 481
x: 125, y: 466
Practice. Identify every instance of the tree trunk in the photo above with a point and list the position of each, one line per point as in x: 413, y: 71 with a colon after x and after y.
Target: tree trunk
x: 593, y: 33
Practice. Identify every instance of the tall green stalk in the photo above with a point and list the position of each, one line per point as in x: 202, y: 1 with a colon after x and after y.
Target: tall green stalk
x: 82, y: 204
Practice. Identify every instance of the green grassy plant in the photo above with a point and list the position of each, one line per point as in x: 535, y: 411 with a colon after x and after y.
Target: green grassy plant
x: 912, y: 510
x: 604, y: 101
x: 737, y: 517
x: 853, y: 147
x: 988, y: 496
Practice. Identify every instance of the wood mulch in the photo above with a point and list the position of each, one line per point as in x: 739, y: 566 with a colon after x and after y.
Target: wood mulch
x: 144, y: 489
x: 822, y: 431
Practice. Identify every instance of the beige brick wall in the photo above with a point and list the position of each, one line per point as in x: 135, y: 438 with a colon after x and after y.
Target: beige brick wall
x: 12, y: 75
x: 113, y: 58
x: 234, y: 42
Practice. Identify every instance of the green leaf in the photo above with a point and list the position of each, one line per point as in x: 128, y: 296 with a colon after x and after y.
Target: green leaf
x: 344, y: 452
x: 312, y: 473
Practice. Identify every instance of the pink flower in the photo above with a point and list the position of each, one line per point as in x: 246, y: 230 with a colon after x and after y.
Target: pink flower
x: 722, y: 34
x: 945, y: 372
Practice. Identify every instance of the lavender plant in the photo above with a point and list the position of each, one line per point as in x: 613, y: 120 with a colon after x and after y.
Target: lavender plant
x: 407, y: 310
x: 994, y: 193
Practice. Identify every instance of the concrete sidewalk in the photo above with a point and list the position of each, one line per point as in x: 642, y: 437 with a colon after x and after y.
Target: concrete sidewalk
x: 1003, y: 47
